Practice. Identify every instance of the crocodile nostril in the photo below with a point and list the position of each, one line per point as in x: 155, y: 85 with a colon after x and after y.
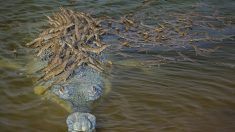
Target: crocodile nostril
x: 94, y: 88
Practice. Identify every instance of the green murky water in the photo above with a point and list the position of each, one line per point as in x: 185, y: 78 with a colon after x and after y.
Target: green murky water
x: 183, y: 96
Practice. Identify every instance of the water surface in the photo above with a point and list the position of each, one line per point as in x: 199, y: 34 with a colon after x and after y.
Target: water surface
x: 182, y: 96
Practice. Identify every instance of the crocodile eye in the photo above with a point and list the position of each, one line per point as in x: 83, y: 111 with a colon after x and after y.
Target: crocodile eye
x: 61, y: 90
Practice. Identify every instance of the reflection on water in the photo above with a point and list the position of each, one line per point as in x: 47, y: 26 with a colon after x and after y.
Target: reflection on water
x: 183, y: 96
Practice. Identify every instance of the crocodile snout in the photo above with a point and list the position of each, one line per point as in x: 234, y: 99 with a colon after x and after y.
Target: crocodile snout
x: 81, y: 122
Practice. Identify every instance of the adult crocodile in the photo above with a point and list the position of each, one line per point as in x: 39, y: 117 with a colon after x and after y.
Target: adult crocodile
x: 71, y: 62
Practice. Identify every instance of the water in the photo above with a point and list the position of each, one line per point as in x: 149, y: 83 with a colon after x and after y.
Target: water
x: 183, y: 96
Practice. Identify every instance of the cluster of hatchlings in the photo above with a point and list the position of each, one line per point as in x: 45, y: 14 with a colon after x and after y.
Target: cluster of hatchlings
x: 73, y: 38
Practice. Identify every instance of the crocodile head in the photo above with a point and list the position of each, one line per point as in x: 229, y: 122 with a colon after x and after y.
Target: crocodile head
x: 83, y: 88
x: 85, y: 85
